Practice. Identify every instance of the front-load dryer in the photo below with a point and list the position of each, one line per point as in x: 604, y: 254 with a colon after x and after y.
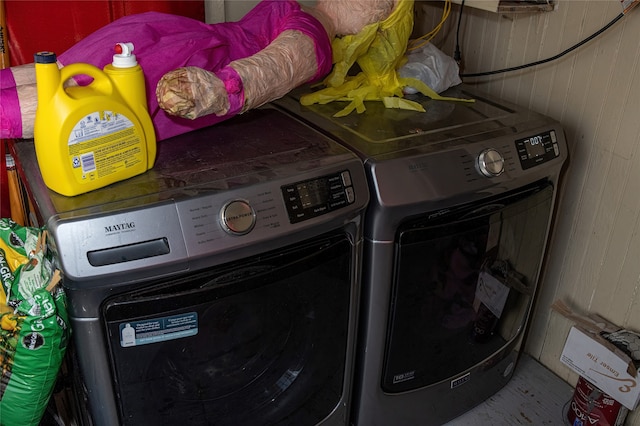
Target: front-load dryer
x: 462, y: 198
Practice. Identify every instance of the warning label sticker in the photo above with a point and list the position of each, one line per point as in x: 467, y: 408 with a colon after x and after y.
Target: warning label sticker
x: 155, y: 330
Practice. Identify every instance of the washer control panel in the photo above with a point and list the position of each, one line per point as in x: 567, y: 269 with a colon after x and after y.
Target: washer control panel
x: 537, y: 149
x: 314, y: 197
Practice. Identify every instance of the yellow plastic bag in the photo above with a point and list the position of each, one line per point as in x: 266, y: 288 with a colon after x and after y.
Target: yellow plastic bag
x: 379, y: 50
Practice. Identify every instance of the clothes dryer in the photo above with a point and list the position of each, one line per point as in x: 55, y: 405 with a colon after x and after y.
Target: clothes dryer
x: 462, y: 199
x: 220, y: 287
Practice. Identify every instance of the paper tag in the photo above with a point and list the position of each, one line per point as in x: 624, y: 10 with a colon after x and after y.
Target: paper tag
x: 492, y: 293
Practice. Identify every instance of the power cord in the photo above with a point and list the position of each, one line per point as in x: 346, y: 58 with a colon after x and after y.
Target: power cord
x: 457, y: 55
x: 543, y: 61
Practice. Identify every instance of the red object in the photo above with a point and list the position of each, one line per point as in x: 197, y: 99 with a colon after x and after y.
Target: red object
x: 62, y: 23
x: 592, y: 407
x: 56, y: 25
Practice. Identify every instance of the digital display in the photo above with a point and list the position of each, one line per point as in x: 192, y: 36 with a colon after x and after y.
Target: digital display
x: 312, y: 193
x: 534, y: 146
x: 537, y: 149
x: 315, y: 197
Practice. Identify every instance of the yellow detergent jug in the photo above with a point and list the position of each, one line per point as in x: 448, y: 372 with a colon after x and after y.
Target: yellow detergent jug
x: 88, y: 137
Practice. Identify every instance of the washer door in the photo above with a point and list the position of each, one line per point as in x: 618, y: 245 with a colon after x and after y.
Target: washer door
x: 260, y: 341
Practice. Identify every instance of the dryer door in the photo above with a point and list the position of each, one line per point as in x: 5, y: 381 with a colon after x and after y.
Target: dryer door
x: 463, y: 286
x: 260, y: 341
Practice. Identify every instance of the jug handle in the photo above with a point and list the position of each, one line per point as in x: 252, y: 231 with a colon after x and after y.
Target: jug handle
x: 101, y: 81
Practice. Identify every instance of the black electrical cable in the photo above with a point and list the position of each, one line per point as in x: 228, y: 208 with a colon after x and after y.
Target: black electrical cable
x: 457, y: 56
x: 553, y: 58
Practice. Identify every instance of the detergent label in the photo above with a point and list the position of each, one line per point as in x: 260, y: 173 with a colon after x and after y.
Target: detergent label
x: 104, y: 143
x: 154, y: 330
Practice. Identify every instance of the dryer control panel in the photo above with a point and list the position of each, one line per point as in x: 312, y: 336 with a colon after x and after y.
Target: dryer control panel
x: 537, y: 149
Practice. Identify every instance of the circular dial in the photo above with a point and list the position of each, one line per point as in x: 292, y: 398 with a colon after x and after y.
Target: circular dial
x: 237, y: 217
x: 490, y: 163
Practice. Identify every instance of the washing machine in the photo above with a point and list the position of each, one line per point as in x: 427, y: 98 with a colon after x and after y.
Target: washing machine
x: 462, y: 200
x: 220, y: 287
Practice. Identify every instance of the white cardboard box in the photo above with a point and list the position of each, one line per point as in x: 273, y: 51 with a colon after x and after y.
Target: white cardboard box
x: 604, y: 365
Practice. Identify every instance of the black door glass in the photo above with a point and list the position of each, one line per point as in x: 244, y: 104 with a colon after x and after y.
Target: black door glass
x: 261, y: 341
x: 463, y: 286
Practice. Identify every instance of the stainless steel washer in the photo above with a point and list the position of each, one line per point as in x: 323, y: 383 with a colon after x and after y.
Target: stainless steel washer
x: 221, y: 286
x: 455, y: 236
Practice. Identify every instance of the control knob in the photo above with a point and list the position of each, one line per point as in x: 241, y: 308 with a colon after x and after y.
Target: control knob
x: 490, y: 163
x: 237, y: 217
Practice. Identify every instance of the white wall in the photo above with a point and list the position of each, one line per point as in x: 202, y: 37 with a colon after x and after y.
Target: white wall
x: 594, y: 259
x: 233, y: 10
x: 214, y: 11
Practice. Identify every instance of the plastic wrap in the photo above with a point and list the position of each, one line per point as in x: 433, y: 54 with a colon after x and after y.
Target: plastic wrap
x: 378, y: 49
x: 192, y: 92
x: 289, y: 61
x: 431, y: 66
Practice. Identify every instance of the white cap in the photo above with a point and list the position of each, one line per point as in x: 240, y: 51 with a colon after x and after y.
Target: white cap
x: 124, y: 57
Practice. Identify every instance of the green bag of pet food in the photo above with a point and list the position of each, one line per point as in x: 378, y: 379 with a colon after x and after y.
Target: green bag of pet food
x: 34, y: 334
